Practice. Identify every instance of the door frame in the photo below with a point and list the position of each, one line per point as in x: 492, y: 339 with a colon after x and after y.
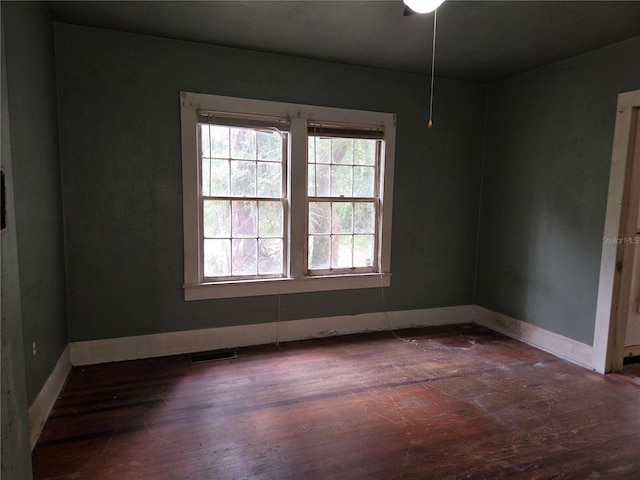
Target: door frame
x: 613, y: 301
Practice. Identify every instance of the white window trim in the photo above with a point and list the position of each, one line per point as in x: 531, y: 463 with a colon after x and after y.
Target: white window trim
x: 299, y: 115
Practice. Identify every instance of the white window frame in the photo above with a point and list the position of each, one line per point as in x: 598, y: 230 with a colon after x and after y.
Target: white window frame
x: 297, y: 280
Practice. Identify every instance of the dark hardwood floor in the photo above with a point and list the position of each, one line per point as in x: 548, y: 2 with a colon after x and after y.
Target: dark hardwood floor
x: 631, y: 372
x: 452, y: 402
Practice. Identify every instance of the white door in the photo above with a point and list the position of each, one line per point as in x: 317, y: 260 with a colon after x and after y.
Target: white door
x: 615, y: 326
x: 632, y: 340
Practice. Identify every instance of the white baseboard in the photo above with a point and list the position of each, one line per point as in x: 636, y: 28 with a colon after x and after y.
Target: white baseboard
x: 41, y: 407
x: 173, y: 343
x: 558, y: 345
x: 633, y: 351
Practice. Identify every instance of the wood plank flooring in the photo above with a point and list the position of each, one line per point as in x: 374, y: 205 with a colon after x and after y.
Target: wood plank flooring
x: 630, y: 373
x: 452, y: 402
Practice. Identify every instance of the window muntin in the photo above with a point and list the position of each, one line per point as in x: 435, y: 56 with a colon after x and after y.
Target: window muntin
x: 243, y: 199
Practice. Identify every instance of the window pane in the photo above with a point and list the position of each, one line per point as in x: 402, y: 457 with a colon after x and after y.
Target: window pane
x: 217, y: 218
x: 341, y: 251
x: 214, y: 141
x: 270, y: 256
x: 244, y: 260
x: 319, y: 150
x: 205, y: 142
x: 217, y: 258
x: 364, y: 152
x: 243, y: 178
x: 311, y: 180
x: 269, y: 180
x: 243, y: 143
x: 244, y: 221
x: 219, y: 177
x: 206, y: 177
x: 319, y: 251
x: 342, y: 151
x: 363, y: 181
x: 363, y: 250
x: 364, y: 218
x: 270, y: 146
x: 220, y: 142
x: 319, y: 217
x: 321, y: 174
x: 270, y: 223
x: 342, y: 217
x: 341, y: 181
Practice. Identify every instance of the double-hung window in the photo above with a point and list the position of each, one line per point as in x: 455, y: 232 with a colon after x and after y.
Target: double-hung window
x: 284, y: 198
x: 243, y: 197
x: 343, y: 198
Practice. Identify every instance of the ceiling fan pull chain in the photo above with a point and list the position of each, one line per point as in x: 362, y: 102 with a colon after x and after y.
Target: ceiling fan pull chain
x: 433, y: 66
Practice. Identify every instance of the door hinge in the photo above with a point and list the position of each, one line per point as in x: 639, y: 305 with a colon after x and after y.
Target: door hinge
x: 619, y: 266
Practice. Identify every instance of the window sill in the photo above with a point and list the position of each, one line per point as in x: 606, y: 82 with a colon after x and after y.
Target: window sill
x: 254, y: 288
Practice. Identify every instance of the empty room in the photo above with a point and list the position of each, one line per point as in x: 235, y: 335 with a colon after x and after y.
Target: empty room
x: 320, y: 239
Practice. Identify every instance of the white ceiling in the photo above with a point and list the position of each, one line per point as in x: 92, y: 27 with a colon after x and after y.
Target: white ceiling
x: 476, y: 40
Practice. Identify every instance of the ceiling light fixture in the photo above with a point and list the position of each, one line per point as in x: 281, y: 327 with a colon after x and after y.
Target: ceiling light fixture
x: 423, y: 6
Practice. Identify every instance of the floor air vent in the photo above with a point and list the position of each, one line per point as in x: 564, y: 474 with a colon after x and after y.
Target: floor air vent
x: 201, y: 357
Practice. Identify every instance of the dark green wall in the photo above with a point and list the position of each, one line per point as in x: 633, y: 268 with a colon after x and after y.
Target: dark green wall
x: 31, y: 89
x: 32, y: 257
x: 544, y: 193
x: 121, y: 169
x: 15, y: 458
